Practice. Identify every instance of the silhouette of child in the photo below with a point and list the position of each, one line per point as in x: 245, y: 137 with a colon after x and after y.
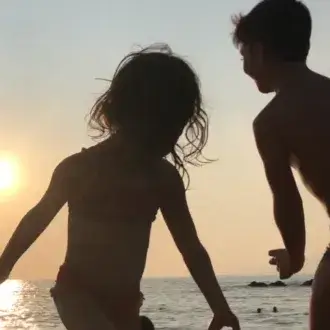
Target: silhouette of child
x: 115, y: 189
x: 292, y: 131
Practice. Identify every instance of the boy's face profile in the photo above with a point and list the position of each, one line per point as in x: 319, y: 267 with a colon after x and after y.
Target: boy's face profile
x: 256, y: 66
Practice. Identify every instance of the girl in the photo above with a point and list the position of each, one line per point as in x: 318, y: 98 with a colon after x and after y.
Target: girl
x: 114, y: 191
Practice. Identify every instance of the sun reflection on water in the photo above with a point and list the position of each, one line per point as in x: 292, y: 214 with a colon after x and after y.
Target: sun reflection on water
x: 9, y: 295
x: 10, y: 292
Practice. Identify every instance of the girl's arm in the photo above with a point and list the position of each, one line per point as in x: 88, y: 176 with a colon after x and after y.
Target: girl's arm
x: 37, y: 219
x: 180, y: 223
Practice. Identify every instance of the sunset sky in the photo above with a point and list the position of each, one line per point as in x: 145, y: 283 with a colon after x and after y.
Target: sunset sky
x: 51, y: 53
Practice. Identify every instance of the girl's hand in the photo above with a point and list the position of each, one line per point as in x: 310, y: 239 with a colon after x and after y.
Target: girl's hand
x: 224, y: 320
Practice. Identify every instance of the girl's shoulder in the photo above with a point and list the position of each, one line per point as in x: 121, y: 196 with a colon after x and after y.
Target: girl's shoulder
x: 168, y: 174
x: 75, y: 162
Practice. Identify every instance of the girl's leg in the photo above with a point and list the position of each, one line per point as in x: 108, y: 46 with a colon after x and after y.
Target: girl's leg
x: 320, y: 301
x: 79, y: 312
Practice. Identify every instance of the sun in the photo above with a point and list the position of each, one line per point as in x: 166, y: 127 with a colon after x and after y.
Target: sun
x: 8, y: 175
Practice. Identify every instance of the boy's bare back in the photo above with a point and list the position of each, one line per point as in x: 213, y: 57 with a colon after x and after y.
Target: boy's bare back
x: 293, y: 130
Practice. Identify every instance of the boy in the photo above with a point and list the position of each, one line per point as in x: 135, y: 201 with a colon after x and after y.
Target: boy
x: 291, y: 131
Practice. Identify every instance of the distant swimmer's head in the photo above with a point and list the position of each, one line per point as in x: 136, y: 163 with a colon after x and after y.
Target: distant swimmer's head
x: 146, y: 323
x: 273, y: 33
x: 259, y: 310
x: 275, y: 310
x: 153, y: 99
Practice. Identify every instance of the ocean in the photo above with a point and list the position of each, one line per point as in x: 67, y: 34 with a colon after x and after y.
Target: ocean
x: 172, y: 303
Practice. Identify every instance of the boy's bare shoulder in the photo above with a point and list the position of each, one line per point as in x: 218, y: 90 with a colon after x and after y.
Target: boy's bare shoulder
x: 270, y: 114
x: 290, y: 103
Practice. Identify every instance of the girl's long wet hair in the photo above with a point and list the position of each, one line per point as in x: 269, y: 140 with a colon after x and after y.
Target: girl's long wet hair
x: 154, y: 98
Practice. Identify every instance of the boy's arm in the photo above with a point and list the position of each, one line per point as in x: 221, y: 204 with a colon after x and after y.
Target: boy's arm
x: 37, y: 219
x: 288, y: 207
x: 180, y: 223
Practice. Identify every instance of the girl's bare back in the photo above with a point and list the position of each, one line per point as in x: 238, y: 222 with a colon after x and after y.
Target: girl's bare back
x: 112, y: 204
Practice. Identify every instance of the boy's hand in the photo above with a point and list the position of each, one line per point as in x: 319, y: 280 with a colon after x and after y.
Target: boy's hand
x: 224, y: 320
x: 284, y: 264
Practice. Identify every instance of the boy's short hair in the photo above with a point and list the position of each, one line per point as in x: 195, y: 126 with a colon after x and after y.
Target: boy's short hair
x: 283, y: 27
